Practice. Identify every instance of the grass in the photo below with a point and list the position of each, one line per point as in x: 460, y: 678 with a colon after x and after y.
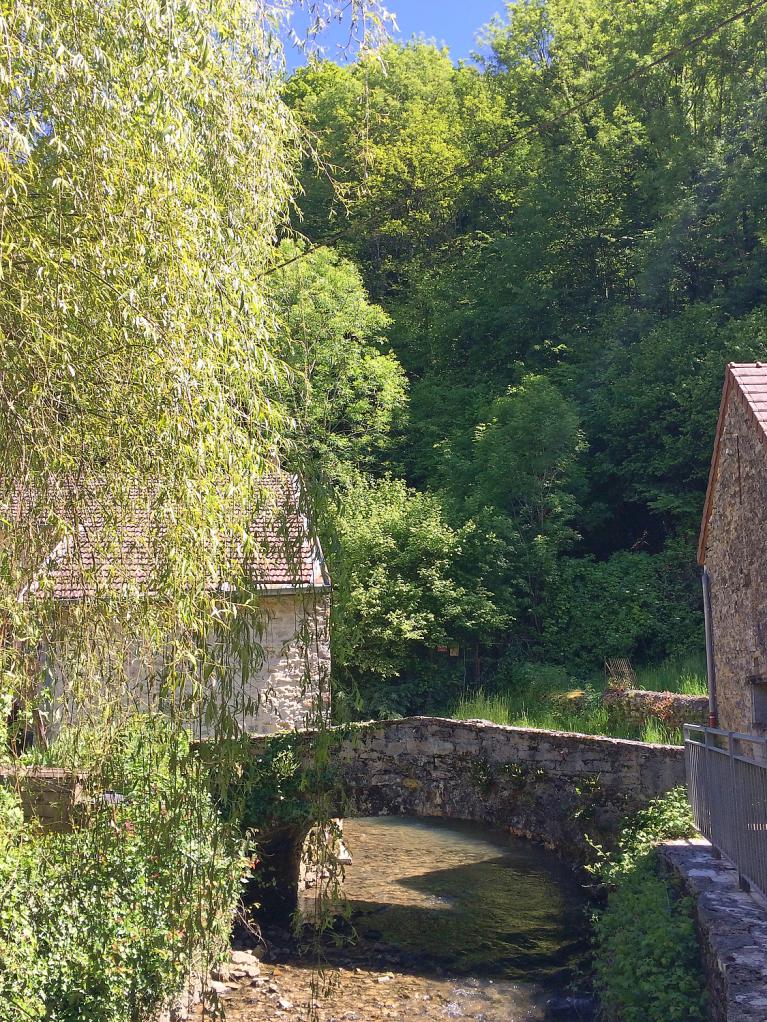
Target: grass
x: 578, y: 710
x: 686, y: 676
x: 543, y: 696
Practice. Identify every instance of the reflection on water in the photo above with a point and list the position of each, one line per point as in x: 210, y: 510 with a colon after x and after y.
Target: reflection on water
x: 464, y: 898
x: 453, y: 921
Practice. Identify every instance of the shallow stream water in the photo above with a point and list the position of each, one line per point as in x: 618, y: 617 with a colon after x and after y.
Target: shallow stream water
x: 452, y: 921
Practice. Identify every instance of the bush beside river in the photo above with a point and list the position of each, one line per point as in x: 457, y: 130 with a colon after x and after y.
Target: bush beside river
x: 106, y: 922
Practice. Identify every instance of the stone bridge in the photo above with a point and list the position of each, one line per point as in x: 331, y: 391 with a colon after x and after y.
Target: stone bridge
x: 546, y: 786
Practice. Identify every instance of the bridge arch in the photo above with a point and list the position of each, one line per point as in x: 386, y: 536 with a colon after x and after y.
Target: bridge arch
x: 546, y: 786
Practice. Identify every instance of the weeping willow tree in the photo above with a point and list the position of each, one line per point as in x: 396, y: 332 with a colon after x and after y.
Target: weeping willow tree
x: 146, y: 170
x: 146, y: 174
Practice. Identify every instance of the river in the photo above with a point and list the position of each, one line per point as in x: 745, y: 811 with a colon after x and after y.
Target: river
x: 452, y: 921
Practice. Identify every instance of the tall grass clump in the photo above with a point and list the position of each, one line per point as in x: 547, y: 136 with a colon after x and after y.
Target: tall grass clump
x: 548, y: 700
x: 481, y: 705
x: 686, y: 676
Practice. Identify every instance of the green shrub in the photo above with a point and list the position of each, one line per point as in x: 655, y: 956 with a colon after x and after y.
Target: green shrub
x: 406, y: 582
x: 647, y: 961
x: 103, y: 924
x: 19, y: 963
x: 635, y: 605
x: 271, y: 789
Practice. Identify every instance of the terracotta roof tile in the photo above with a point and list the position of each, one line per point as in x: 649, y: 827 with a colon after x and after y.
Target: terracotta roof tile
x: 751, y: 379
x: 277, y: 549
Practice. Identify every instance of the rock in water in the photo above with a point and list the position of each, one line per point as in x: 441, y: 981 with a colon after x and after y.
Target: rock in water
x: 571, y: 1008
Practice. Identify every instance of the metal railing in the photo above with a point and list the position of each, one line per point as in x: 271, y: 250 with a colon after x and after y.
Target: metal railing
x: 727, y: 785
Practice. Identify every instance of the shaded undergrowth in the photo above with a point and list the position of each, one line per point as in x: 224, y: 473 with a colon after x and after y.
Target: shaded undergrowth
x: 647, y: 965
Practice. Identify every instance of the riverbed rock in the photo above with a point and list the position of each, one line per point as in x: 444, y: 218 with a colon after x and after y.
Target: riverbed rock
x: 222, y: 989
x: 244, y: 972
x: 569, y: 1006
x: 243, y: 958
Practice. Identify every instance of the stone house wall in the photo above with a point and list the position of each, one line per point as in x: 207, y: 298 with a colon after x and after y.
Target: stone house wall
x: 736, y: 558
x: 295, y: 676
x: 284, y: 687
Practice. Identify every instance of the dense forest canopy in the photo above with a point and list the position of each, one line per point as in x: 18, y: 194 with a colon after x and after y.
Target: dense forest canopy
x: 562, y: 246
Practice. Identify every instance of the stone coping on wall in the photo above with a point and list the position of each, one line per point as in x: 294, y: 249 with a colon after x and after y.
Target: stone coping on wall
x: 732, y: 929
x: 480, y: 725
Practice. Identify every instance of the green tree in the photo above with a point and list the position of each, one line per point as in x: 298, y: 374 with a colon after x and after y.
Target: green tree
x: 147, y: 166
x: 614, y: 252
x: 347, y: 390
x: 656, y: 407
x: 405, y: 582
x: 138, y: 211
x: 524, y: 473
x: 634, y: 605
x: 386, y: 128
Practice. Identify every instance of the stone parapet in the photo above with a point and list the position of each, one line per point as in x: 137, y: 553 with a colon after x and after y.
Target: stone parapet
x: 562, y: 789
x: 550, y: 786
x: 732, y: 930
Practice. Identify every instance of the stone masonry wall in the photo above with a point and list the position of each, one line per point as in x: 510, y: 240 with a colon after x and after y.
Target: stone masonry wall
x: 637, y: 706
x: 295, y: 674
x: 732, y: 931
x: 736, y: 557
x: 548, y: 786
x: 281, y: 690
x: 50, y: 795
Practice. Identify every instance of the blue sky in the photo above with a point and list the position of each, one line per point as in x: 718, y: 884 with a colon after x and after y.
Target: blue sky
x: 453, y: 23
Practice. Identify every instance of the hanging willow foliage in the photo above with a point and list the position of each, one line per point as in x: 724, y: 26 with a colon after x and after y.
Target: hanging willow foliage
x: 146, y: 168
x: 146, y: 174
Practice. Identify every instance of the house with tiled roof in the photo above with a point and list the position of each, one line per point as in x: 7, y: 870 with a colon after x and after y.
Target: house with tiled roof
x: 282, y: 676
x: 732, y: 551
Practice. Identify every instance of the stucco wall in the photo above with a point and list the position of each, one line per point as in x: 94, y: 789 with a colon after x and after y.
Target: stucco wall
x: 736, y: 557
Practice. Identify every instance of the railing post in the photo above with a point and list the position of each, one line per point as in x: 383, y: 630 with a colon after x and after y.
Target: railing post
x: 736, y: 802
x: 709, y: 795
